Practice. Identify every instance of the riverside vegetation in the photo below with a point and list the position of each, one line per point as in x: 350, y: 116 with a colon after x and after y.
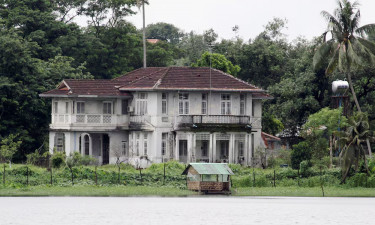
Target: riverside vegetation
x: 30, y: 180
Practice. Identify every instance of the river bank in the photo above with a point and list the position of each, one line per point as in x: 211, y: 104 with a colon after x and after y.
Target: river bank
x: 165, y: 191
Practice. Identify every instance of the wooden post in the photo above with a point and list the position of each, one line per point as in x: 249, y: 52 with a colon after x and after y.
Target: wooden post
x: 321, y: 180
x: 96, y: 176
x: 4, y: 175
x: 118, y: 177
x: 164, y: 175
x: 298, y: 177
x: 274, y: 178
x: 330, y: 151
x: 27, y: 175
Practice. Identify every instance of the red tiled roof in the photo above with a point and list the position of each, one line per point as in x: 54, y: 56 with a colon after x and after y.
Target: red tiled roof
x: 184, y: 78
x: 158, y: 78
x: 87, y: 87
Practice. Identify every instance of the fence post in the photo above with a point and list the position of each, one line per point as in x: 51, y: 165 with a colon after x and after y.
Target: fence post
x: 274, y: 178
x: 96, y: 176
x: 27, y: 175
x: 298, y: 177
x: 4, y: 175
x: 164, y: 175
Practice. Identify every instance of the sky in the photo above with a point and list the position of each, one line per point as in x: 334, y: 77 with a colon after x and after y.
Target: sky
x: 251, y: 16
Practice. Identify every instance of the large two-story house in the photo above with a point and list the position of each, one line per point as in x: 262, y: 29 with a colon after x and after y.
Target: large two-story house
x: 182, y: 113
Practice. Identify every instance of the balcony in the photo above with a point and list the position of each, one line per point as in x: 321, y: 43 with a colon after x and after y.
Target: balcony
x: 213, y: 121
x: 88, y: 119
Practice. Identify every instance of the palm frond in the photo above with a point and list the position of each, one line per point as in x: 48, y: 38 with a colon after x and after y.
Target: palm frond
x: 355, y: 21
x: 342, y: 63
x: 322, y: 53
x: 365, y: 29
x: 332, y: 65
x: 332, y: 21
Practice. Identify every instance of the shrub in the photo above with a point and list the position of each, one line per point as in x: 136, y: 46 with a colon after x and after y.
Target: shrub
x: 300, y: 152
x: 38, y: 159
x: 305, y: 168
x: 58, y: 159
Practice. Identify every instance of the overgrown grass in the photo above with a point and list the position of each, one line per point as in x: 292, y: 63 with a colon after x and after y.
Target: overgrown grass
x: 305, y: 192
x: 89, y: 190
x: 105, y: 182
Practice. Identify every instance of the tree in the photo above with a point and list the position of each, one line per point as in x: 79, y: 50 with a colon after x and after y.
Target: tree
x: 353, y: 137
x: 9, y: 146
x: 164, y: 31
x: 346, y: 51
x: 217, y: 61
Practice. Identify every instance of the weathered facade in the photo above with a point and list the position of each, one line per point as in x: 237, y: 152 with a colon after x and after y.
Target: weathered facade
x: 182, y: 113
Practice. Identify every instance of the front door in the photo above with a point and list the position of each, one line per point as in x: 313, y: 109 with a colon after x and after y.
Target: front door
x: 105, y: 149
x: 182, y: 149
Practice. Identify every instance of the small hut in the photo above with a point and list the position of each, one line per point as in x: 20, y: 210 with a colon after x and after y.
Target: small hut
x: 208, y: 177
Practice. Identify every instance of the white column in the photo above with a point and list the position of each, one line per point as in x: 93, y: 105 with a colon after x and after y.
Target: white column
x: 210, y: 149
x: 246, y: 150
x: 189, y: 147
x: 231, y: 148
x: 214, y: 147
x: 194, y: 147
x: 177, y: 156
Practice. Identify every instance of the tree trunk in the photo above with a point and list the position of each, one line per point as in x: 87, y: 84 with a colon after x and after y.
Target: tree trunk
x: 358, y: 108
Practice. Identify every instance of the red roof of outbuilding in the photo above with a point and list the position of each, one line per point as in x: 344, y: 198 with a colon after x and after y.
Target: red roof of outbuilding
x: 158, y: 78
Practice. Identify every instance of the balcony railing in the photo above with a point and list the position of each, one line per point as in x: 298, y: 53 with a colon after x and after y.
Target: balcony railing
x: 140, y: 119
x: 87, y: 119
x: 214, y: 119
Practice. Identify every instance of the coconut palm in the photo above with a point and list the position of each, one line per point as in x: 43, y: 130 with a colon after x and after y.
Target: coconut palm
x: 356, y: 134
x: 345, y: 51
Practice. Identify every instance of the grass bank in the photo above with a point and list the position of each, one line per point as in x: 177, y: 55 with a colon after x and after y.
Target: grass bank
x: 86, y: 190
x: 305, y: 192
x: 127, y: 191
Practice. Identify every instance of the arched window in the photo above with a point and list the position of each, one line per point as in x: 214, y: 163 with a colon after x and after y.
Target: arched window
x: 87, y: 144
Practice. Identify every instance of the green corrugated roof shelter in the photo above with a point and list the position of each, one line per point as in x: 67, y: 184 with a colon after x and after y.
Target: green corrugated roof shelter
x: 210, y: 168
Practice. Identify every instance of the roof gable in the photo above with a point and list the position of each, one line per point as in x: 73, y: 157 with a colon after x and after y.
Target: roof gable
x: 210, y: 168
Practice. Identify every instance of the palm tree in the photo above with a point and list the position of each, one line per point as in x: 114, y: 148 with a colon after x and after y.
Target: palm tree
x: 355, y: 135
x: 346, y: 51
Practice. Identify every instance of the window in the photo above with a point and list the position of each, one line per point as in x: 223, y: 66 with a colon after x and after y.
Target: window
x: 240, y: 149
x: 224, y: 149
x: 145, y: 143
x: 55, y: 107
x: 60, y: 142
x: 137, y: 135
x: 204, y: 104
x: 242, y: 104
x: 124, y: 107
x: 80, y: 107
x: 225, y: 104
x: 183, y: 103
x: 137, y: 148
x: 123, y: 148
x: 141, y: 104
x: 204, y: 148
x: 107, y: 107
x: 164, y: 103
x: 66, y: 107
x: 164, y: 137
